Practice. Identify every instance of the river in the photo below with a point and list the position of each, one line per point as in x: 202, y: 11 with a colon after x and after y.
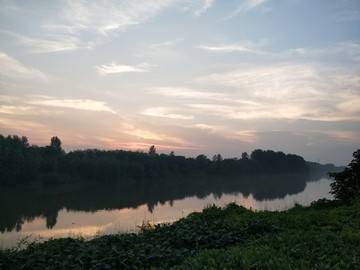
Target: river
x: 39, y: 213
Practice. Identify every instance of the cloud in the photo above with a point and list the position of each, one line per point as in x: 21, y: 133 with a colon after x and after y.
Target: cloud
x: 46, y: 44
x: 226, y: 48
x: 52, y: 39
x: 288, y: 90
x: 76, y: 25
x: 167, y: 43
x: 150, y: 134
x: 78, y: 104
x: 204, y: 6
x: 167, y: 50
x: 350, y: 105
x: 114, y: 68
x: 341, y: 135
x: 244, y: 47
x: 249, y: 5
x: 187, y: 93
x: 348, y: 50
x: 14, y: 126
x: 243, y: 111
x: 63, y: 28
x: 18, y: 110
x: 12, y: 68
x: 165, y: 112
x: 108, y: 16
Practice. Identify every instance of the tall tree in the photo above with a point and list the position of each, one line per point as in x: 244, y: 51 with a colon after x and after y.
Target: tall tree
x: 244, y: 156
x: 346, y: 186
x: 55, y: 143
x: 152, y: 151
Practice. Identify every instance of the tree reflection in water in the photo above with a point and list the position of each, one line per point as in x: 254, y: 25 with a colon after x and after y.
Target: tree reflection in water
x: 20, y: 204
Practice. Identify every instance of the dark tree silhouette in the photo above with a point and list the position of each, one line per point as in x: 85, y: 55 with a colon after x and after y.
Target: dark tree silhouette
x: 152, y: 151
x: 55, y: 143
x: 21, y: 163
x: 217, y: 158
x: 346, y: 186
x: 245, y: 156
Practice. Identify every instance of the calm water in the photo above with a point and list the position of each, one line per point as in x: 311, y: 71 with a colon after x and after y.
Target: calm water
x: 60, y: 211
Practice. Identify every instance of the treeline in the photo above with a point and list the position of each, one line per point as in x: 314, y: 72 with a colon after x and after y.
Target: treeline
x: 21, y: 162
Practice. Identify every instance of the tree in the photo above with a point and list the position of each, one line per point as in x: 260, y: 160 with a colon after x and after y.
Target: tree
x: 244, y: 156
x: 202, y: 162
x: 217, y: 158
x: 55, y: 156
x: 346, y: 186
x: 55, y: 143
x: 152, y: 151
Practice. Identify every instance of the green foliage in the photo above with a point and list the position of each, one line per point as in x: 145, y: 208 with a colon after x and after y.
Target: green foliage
x: 289, y: 250
x: 325, y: 235
x: 346, y: 186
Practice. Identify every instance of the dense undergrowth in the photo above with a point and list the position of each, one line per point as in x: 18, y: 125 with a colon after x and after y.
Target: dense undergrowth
x: 325, y: 235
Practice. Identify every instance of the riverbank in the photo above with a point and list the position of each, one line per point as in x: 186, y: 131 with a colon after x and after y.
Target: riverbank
x: 323, y: 235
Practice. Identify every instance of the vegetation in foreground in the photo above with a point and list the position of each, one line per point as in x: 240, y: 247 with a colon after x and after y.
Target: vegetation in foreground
x: 325, y: 235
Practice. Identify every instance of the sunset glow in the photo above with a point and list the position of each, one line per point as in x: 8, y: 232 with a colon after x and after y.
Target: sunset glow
x: 194, y: 77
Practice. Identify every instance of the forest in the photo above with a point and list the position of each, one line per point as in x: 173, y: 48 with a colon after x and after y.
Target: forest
x: 21, y: 162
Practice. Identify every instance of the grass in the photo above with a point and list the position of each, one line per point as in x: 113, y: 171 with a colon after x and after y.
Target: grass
x: 325, y: 235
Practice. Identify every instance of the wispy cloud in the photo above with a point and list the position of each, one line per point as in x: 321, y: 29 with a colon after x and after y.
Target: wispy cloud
x: 167, y: 43
x: 167, y: 50
x: 204, y: 6
x: 63, y: 28
x: 294, y: 91
x: 166, y: 112
x: 249, y: 5
x: 17, y: 125
x: 244, y: 47
x: 12, y: 68
x: 187, y: 93
x: 82, y: 24
x: 349, y: 50
x: 78, y: 104
x: 224, y: 111
x: 114, y: 68
x: 341, y: 135
x: 108, y: 16
x: 149, y: 134
x: 51, y: 39
x: 49, y: 45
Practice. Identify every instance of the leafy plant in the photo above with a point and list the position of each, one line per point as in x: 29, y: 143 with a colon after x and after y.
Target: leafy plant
x: 322, y: 236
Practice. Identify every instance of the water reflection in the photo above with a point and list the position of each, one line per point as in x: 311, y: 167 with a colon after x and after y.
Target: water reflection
x: 90, y: 209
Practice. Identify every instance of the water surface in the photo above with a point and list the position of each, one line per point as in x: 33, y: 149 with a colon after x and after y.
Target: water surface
x: 88, y: 210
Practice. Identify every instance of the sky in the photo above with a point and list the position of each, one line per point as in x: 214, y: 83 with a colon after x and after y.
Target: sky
x: 189, y: 76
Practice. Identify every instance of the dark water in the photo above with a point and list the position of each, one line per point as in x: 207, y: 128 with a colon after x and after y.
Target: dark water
x: 92, y: 209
